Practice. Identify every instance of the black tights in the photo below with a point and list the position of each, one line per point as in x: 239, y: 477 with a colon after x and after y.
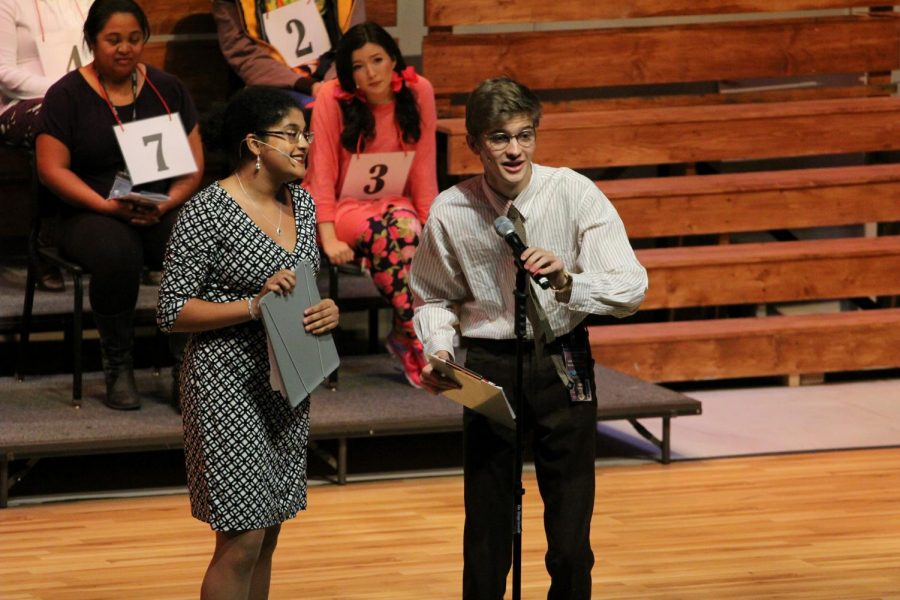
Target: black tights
x: 114, y: 253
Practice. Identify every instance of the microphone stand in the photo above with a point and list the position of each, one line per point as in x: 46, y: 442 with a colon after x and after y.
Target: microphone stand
x: 521, y: 316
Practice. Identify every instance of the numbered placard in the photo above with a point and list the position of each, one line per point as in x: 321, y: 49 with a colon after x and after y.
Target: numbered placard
x: 377, y: 175
x: 155, y: 148
x: 297, y: 32
x: 62, y: 51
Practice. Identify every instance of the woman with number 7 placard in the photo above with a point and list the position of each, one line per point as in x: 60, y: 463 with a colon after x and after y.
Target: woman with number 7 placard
x: 372, y: 171
x: 81, y: 158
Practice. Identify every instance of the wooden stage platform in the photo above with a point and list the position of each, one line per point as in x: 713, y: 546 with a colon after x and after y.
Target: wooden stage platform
x: 372, y: 399
x: 822, y: 526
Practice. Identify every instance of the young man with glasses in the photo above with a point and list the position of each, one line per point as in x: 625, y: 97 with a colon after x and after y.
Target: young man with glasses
x: 463, y: 277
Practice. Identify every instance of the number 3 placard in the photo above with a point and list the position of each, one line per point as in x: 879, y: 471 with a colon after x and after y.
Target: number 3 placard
x: 377, y: 175
x: 155, y: 148
x: 297, y: 32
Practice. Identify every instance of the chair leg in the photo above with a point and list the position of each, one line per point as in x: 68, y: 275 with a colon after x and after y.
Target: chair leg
x: 373, y: 330
x: 77, y: 338
x: 25, y: 325
x: 331, y: 381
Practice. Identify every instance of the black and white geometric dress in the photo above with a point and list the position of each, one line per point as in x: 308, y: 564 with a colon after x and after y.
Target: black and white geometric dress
x: 245, y: 448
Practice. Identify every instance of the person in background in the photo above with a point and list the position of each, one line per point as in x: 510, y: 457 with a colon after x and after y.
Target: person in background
x: 464, y: 276
x: 23, y: 83
x: 23, y: 25
x: 78, y: 159
x: 235, y: 241
x: 376, y: 105
x: 240, y: 25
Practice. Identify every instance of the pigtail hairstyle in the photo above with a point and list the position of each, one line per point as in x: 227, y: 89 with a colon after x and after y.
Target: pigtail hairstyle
x: 359, y: 123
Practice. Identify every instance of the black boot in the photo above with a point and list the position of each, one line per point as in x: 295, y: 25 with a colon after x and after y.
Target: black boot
x: 177, y: 342
x: 116, y: 340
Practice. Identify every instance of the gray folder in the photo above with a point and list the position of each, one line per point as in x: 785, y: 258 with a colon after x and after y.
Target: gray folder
x: 475, y: 392
x: 304, y: 359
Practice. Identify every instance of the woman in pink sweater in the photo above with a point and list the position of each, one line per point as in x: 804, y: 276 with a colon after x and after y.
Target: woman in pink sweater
x: 368, y: 124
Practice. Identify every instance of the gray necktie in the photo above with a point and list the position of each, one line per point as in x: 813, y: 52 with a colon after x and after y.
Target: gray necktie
x: 543, y: 333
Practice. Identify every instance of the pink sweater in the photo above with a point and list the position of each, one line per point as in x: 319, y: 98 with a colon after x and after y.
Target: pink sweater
x: 328, y: 160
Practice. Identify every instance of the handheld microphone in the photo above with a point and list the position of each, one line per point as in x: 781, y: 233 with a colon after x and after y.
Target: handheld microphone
x: 507, y: 231
x: 281, y: 152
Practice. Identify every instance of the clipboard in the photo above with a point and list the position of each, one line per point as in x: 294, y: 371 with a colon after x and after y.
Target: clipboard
x: 304, y: 359
x: 476, y: 392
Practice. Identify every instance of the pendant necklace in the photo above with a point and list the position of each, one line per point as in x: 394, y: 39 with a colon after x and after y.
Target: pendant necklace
x: 280, y: 213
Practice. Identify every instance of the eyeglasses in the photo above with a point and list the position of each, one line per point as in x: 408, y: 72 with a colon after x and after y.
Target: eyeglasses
x: 499, y: 140
x: 291, y: 135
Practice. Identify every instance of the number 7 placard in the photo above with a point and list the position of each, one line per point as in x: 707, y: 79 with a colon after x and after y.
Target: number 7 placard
x: 155, y: 148
x: 377, y: 175
x: 297, y: 32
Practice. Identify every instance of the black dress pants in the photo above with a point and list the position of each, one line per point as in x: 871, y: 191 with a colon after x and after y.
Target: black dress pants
x: 114, y: 253
x: 562, y: 437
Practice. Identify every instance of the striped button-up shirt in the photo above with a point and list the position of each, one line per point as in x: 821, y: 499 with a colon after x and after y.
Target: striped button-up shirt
x: 463, y: 274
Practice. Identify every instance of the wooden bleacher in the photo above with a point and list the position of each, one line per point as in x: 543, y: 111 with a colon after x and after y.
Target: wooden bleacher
x: 183, y: 43
x: 758, y: 201
x: 665, y: 84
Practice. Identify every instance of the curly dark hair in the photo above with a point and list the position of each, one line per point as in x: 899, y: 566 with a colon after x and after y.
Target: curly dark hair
x: 359, y: 124
x: 252, y: 109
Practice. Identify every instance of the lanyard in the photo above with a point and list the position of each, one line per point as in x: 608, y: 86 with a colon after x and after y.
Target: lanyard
x: 37, y: 10
x: 134, y: 80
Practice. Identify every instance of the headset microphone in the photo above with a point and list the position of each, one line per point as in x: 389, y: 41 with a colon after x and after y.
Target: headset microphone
x: 282, y: 152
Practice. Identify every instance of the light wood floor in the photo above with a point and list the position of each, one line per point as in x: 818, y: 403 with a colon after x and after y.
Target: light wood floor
x: 816, y: 526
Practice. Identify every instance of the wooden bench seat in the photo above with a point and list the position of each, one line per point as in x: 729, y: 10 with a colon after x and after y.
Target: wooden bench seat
x: 743, y: 50
x: 666, y: 61
x: 771, y: 272
x: 749, y: 347
x: 775, y: 345
x: 688, y: 134
x: 738, y: 202
x: 447, y: 13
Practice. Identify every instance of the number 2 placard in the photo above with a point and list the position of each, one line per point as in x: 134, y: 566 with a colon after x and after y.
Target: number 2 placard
x: 297, y: 32
x: 377, y: 175
x: 61, y: 52
x: 155, y: 148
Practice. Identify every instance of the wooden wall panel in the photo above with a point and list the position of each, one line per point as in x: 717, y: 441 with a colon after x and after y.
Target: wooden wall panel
x: 674, y: 206
x: 731, y: 348
x: 678, y: 54
x: 771, y: 272
x: 179, y: 17
x: 692, y: 134
x: 383, y: 12
x: 447, y: 13
x: 199, y: 64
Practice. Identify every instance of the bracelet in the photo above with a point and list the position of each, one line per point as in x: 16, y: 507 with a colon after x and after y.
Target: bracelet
x: 253, y: 316
x: 565, y: 286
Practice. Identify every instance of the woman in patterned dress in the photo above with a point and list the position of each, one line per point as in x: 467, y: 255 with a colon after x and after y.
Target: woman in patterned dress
x: 238, y: 239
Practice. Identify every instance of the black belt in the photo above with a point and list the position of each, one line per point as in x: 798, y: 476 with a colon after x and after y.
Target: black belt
x: 509, y: 346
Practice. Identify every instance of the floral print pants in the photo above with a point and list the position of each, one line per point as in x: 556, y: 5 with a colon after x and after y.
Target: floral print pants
x: 388, y: 244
